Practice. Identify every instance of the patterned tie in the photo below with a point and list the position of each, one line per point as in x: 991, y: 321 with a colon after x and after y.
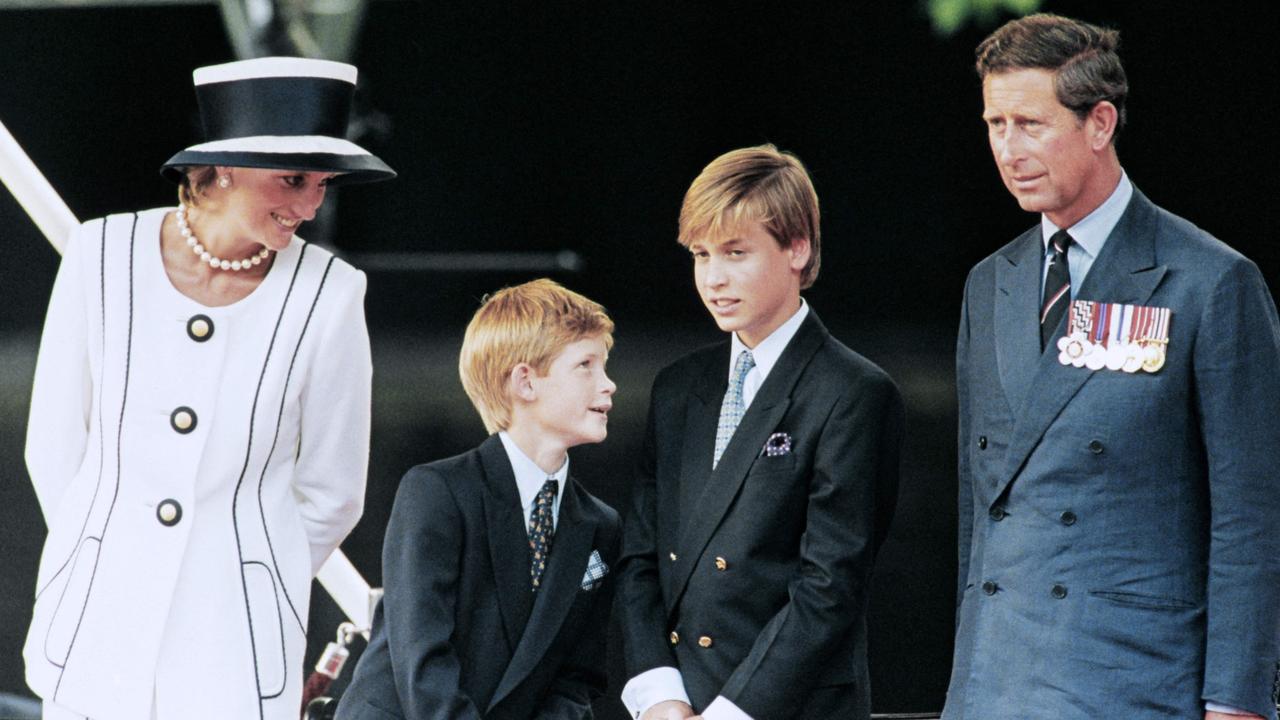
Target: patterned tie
x: 1057, y: 288
x: 732, y: 409
x: 542, y: 529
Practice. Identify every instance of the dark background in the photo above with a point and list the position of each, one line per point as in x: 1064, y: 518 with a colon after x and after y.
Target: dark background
x: 537, y: 126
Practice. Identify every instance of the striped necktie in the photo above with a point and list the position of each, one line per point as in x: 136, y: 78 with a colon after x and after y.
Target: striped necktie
x: 732, y: 409
x: 1057, y: 289
x: 542, y: 529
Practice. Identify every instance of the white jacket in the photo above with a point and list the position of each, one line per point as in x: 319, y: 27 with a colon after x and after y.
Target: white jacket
x: 181, y: 547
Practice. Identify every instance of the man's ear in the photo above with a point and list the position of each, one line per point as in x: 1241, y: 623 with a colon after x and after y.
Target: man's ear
x: 1102, y: 122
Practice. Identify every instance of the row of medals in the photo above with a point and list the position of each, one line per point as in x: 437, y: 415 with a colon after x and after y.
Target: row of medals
x: 1143, y: 354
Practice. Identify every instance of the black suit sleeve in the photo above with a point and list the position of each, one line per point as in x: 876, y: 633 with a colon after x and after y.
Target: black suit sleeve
x: 582, y: 676
x: 855, y: 464
x: 421, y: 562
x: 641, y: 610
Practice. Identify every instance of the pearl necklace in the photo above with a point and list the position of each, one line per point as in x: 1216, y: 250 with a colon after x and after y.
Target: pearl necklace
x: 215, y: 262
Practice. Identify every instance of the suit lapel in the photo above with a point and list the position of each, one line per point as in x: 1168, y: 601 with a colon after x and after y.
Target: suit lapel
x: 570, y: 552
x: 1125, y: 272
x: 700, y: 519
x: 702, y: 418
x: 1017, y: 324
x: 508, y: 539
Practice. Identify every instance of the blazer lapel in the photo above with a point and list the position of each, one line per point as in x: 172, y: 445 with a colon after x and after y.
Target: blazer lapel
x: 1017, y: 324
x: 702, y: 418
x: 701, y: 518
x: 508, y: 539
x: 1125, y: 272
x: 570, y: 552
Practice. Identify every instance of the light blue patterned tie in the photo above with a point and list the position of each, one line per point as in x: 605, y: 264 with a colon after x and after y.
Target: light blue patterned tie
x: 732, y: 409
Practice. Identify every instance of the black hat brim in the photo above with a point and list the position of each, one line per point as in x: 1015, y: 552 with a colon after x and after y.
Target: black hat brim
x: 351, y: 168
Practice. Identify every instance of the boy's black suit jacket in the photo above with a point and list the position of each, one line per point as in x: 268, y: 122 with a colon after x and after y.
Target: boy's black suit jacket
x: 752, y: 579
x: 459, y: 633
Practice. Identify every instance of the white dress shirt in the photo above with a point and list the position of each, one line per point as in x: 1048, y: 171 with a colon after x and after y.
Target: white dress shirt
x: 530, y: 477
x: 666, y: 683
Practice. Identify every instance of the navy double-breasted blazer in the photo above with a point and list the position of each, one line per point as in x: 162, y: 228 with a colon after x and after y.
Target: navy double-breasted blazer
x: 752, y: 578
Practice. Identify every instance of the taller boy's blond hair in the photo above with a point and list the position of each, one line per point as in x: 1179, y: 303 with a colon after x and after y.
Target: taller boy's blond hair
x: 757, y: 183
x: 530, y: 323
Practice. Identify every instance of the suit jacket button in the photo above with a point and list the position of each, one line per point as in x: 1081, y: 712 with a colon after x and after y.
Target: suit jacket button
x: 675, y: 637
x: 1067, y: 518
x: 1095, y: 447
x: 200, y: 328
x: 1058, y: 592
x: 989, y: 587
x: 673, y: 557
x: 169, y: 512
x: 982, y: 442
x: 722, y: 564
x: 997, y: 513
x: 183, y: 420
x: 704, y: 641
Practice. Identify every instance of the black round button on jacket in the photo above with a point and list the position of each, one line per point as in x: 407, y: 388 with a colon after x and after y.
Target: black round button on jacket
x: 1058, y: 592
x: 997, y: 513
x: 1067, y: 518
x: 182, y: 419
x: 989, y: 587
x: 982, y: 442
x: 1095, y: 447
x: 200, y: 328
x: 169, y: 512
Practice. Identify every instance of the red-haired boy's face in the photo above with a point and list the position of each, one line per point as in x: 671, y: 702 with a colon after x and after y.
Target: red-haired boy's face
x: 575, y: 395
x: 749, y: 283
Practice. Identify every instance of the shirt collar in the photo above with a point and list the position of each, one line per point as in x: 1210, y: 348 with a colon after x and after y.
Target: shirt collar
x: 1092, y: 231
x: 529, y: 477
x: 766, y: 354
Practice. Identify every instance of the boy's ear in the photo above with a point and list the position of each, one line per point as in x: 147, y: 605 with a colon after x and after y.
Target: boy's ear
x: 520, y: 383
x: 799, y: 251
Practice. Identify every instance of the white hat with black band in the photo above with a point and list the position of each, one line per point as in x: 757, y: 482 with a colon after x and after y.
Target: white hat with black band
x: 279, y: 113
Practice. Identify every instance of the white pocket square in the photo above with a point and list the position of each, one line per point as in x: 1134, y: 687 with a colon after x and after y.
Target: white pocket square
x: 596, y: 570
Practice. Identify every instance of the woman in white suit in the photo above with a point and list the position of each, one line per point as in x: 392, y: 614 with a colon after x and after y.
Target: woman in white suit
x: 199, y: 428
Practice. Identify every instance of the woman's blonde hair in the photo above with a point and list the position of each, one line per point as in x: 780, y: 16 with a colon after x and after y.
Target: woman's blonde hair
x: 195, y: 180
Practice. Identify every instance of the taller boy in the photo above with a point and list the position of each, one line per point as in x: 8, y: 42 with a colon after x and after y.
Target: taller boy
x: 768, y: 476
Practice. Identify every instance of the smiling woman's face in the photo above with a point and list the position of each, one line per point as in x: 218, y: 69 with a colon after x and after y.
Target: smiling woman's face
x: 267, y: 206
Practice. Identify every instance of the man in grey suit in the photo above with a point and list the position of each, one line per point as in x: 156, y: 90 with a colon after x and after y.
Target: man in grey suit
x: 1119, y: 386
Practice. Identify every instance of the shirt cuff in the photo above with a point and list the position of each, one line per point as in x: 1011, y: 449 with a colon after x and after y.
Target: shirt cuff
x: 1215, y: 707
x: 722, y: 708
x: 652, y: 687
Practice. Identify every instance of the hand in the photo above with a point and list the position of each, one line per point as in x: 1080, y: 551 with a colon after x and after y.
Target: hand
x: 1211, y: 715
x: 671, y: 710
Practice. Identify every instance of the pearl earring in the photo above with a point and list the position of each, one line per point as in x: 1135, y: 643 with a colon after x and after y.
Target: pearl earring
x: 224, y: 181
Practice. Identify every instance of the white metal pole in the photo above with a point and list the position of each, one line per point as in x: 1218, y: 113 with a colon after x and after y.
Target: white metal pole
x: 34, y: 193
